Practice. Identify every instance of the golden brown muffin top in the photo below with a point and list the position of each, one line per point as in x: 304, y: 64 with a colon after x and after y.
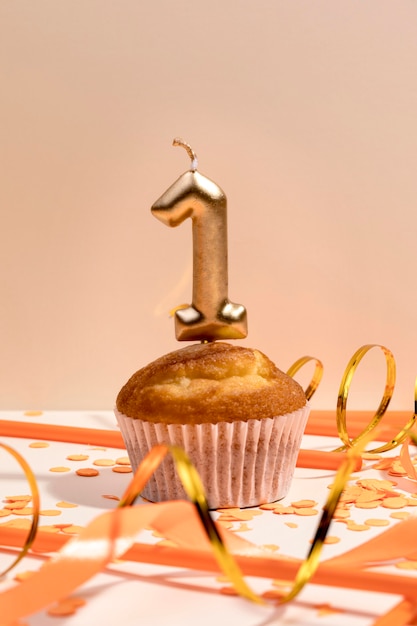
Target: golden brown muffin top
x: 209, y: 382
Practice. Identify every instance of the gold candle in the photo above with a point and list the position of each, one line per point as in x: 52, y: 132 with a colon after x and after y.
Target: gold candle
x: 211, y: 315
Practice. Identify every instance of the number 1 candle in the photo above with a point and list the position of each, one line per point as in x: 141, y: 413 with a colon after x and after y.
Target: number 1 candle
x: 211, y: 315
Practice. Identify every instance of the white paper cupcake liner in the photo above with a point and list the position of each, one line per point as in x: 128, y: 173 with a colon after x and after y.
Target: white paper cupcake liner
x: 240, y: 463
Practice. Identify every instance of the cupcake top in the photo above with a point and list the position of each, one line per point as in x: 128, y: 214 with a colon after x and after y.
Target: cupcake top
x: 209, y: 382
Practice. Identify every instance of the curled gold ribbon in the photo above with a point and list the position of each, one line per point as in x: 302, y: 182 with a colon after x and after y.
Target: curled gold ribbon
x: 311, y: 563
x: 194, y: 489
x: 383, y: 405
x: 317, y: 374
x: 30, y: 477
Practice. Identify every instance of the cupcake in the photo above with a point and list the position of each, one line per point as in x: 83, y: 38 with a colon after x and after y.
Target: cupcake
x: 238, y: 417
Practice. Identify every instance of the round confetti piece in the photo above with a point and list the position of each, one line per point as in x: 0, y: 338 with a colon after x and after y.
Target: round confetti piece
x: 228, y: 591
x: 351, y: 525
x: 104, y: 462
x: 14, y: 506
x: 284, y: 510
x: 400, y: 515
x: 18, y: 523
x: 77, y: 457
x: 48, y: 529
x: 123, y: 460
x: 368, y: 505
x: 305, y: 512
x: 32, y: 413
x: 61, y: 526
x: 110, y: 497
x: 27, y: 510
x: 60, y: 469
x: 269, y: 506
x: 20, y: 576
x: 406, y: 565
x: 394, y: 503
x: 304, y: 504
x: 121, y: 469
x: 331, y: 539
x: 271, y: 547
x: 87, y: 472
x: 17, y: 498
x: 341, y: 514
x: 39, y: 444
x: 66, y: 505
x: 377, y: 522
x: 73, y: 529
x: 62, y: 609
x: 272, y: 594
x: 50, y: 512
x: 291, y: 524
x: 5, y: 512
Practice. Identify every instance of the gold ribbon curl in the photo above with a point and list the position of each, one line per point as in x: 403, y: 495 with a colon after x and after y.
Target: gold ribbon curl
x: 317, y: 374
x: 194, y: 489
x: 30, y: 477
x: 386, y: 398
x: 311, y: 563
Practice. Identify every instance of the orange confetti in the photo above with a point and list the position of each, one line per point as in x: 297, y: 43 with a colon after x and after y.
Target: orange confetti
x: 123, y: 460
x: 400, y: 515
x: 48, y: 529
x: 25, y: 524
x: 284, y: 510
x: 66, y: 505
x: 17, y: 504
x: 291, y: 524
x: 39, y: 444
x: 305, y: 512
x: 50, y: 512
x: 351, y: 525
x: 17, y: 498
x: 104, y: 462
x: 394, y: 503
x: 59, y: 469
x: 377, y: 522
x: 24, y: 575
x: 87, y: 472
x: 121, y: 469
x: 270, y: 546
x: 66, y: 607
x: 73, y: 529
x: 410, y: 565
x: 27, y: 510
x: 110, y: 497
x: 77, y: 457
x: 304, y: 504
x: 331, y: 539
x: 228, y: 591
x: 374, y: 504
x: 32, y: 413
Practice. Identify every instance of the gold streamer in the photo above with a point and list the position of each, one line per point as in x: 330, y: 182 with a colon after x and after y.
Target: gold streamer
x: 317, y: 374
x: 311, y: 563
x: 35, y: 504
x: 386, y: 398
x: 194, y: 489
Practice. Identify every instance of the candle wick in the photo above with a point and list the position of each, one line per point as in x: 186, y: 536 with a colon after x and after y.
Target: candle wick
x: 180, y: 142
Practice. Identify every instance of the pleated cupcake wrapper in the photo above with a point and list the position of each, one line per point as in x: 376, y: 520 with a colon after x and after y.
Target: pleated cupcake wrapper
x: 240, y: 463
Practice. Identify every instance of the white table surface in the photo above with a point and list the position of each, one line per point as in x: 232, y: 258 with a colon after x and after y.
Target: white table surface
x: 136, y: 593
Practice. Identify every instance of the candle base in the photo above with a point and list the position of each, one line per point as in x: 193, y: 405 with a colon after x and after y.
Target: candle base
x: 230, y: 322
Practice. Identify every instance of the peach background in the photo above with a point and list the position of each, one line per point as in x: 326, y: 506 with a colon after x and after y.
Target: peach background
x: 303, y: 111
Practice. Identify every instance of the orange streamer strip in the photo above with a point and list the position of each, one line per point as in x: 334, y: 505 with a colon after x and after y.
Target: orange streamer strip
x: 60, y: 576
x: 312, y: 459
